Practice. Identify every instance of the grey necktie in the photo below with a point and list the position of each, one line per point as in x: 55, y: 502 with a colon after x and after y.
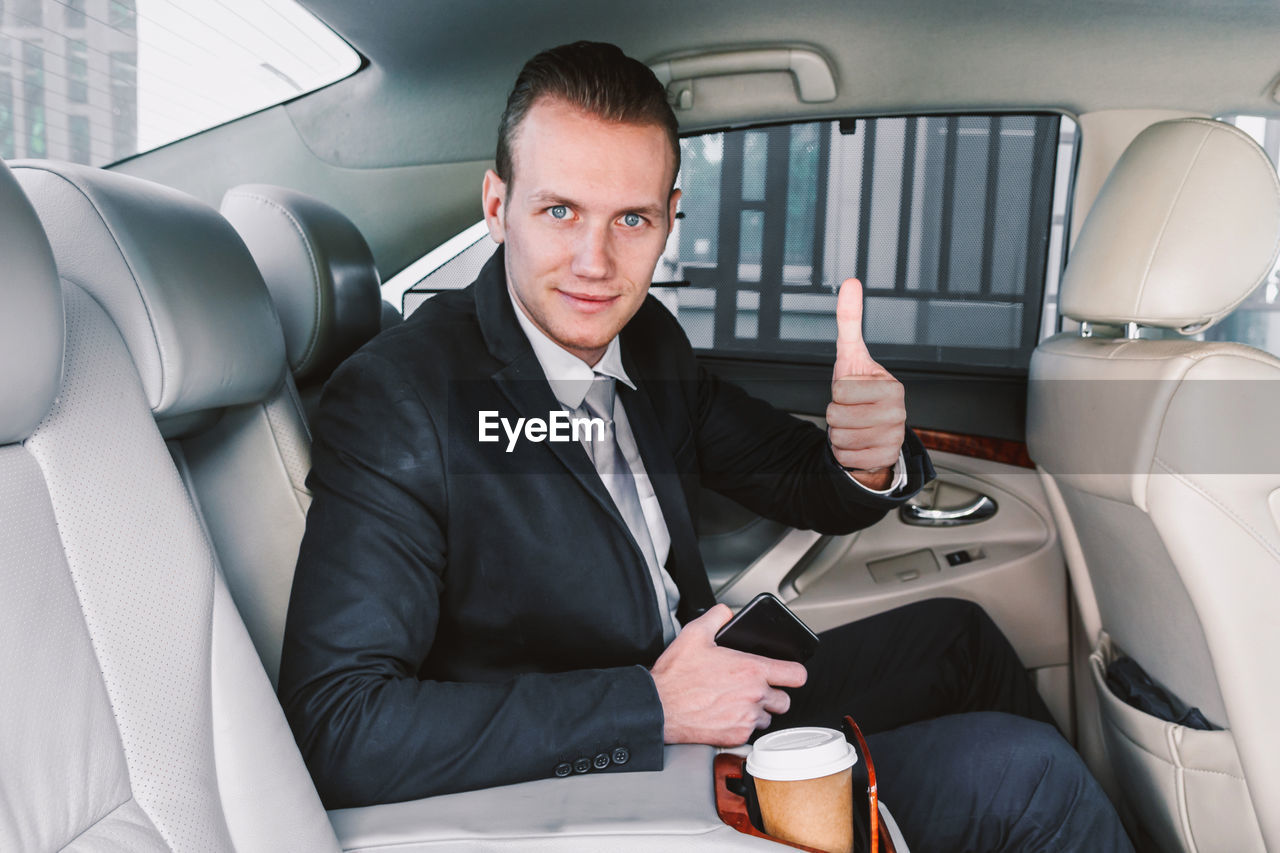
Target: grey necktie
x: 620, y: 481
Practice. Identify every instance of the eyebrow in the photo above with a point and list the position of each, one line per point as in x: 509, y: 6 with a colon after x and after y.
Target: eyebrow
x: 552, y: 198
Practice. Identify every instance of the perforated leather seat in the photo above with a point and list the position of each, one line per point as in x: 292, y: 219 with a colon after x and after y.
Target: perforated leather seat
x: 320, y: 272
x: 136, y: 714
x: 1160, y: 458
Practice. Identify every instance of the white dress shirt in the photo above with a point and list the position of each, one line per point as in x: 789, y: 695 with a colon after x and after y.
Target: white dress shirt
x: 569, y: 378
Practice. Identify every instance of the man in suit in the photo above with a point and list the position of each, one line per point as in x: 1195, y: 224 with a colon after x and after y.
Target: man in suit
x: 475, y: 606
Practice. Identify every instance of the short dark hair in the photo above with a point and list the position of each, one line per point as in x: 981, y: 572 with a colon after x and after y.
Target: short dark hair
x: 597, y: 78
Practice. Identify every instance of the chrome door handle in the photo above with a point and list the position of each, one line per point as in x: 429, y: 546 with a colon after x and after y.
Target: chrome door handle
x: 980, y: 510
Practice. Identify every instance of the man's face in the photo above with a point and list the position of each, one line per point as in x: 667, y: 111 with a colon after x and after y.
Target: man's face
x: 584, y: 219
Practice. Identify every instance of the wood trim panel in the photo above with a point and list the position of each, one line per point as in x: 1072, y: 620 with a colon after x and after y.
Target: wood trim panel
x: 977, y: 446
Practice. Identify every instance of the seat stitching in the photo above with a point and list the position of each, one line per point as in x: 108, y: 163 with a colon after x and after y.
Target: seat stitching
x: 1256, y: 534
x: 1180, y: 787
x: 309, y: 350
x: 1162, y: 759
x: 108, y: 814
x: 275, y: 439
x: 1155, y: 248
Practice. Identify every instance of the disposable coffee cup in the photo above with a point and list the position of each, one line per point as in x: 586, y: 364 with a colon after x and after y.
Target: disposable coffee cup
x: 804, y: 783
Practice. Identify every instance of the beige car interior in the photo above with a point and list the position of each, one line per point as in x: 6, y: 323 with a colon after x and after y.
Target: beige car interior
x: 137, y: 714
x: 1157, y: 458
x: 140, y: 679
x: 217, y: 458
x: 176, y: 413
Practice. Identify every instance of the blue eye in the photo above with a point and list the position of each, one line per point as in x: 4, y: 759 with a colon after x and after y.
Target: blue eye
x: 631, y: 220
x: 559, y: 212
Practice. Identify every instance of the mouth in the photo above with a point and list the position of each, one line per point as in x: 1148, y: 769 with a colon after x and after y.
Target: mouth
x: 587, y: 303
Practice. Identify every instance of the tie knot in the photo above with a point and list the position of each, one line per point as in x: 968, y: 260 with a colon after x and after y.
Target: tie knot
x: 600, y: 397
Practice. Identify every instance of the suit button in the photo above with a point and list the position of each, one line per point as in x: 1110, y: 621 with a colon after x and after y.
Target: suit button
x: 601, y: 761
x: 621, y: 755
x: 581, y: 765
x: 563, y: 769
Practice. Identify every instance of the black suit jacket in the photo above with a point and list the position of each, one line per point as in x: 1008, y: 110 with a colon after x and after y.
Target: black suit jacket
x: 463, y: 616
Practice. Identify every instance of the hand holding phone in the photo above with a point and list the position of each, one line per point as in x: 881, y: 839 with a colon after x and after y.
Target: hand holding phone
x: 768, y: 628
x: 716, y: 695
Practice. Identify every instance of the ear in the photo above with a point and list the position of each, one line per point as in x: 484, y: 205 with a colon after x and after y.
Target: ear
x: 493, y: 200
x: 671, y: 210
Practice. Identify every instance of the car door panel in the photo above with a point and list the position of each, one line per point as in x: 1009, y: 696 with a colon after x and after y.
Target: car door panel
x: 1015, y: 571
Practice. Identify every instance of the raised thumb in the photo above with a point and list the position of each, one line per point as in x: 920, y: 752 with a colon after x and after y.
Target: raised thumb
x: 852, y: 357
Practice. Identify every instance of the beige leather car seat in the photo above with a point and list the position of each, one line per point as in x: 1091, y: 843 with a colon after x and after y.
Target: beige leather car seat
x: 1160, y: 457
x: 144, y: 719
x: 320, y: 272
x: 136, y: 714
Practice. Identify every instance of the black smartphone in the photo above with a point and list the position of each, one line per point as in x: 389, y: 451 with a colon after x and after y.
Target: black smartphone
x: 767, y: 627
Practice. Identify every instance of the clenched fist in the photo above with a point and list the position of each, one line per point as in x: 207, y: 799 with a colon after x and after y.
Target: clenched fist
x: 867, y: 418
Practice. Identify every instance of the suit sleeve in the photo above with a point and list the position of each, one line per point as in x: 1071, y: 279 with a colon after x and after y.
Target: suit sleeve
x: 782, y: 468
x: 363, y: 614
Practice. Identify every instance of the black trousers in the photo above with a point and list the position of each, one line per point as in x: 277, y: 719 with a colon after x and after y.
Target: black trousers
x: 965, y: 751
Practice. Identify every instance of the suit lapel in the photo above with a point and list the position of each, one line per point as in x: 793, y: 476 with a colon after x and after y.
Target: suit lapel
x: 521, y: 379
x: 523, y: 384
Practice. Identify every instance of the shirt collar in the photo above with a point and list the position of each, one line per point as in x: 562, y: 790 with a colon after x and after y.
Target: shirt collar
x: 568, y: 375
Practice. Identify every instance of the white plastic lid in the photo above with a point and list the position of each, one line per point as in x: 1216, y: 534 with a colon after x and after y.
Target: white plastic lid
x: 802, y: 753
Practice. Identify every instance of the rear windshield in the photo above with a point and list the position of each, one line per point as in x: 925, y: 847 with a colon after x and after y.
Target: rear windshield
x: 96, y: 81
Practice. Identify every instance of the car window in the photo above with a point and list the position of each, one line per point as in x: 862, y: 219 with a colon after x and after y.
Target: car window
x: 953, y: 223
x: 948, y: 221
x: 96, y: 81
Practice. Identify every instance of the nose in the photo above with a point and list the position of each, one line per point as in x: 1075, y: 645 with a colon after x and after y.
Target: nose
x: 592, y: 254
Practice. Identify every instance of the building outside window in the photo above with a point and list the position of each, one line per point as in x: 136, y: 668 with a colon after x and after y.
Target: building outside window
x: 81, y: 144
x: 34, y: 129
x: 122, y: 15
x: 77, y: 71
x: 7, y: 148
x: 75, y: 16
x: 124, y: 104
x: 197, y: 64
x: 29, y: 13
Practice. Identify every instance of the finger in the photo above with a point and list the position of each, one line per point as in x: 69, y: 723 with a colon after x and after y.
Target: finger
x: 777, y: 702
x: 866, y: 415
x: 872, y: 438
x: 852, y: 358
x: 853, y: 390
x: 708, y: 623
x: 785, y: 673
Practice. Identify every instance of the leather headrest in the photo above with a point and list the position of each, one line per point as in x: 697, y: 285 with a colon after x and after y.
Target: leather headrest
x: 320, y: 272
x: 175, y: 278
x: 32, y: 330
x: 1184, y: 229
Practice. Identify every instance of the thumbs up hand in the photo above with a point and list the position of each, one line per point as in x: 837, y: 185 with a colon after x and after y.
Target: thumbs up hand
x: 867, y: 418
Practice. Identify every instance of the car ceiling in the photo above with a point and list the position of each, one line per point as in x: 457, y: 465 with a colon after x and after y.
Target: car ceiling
x: 401, y: 146
x: 439, y: 72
